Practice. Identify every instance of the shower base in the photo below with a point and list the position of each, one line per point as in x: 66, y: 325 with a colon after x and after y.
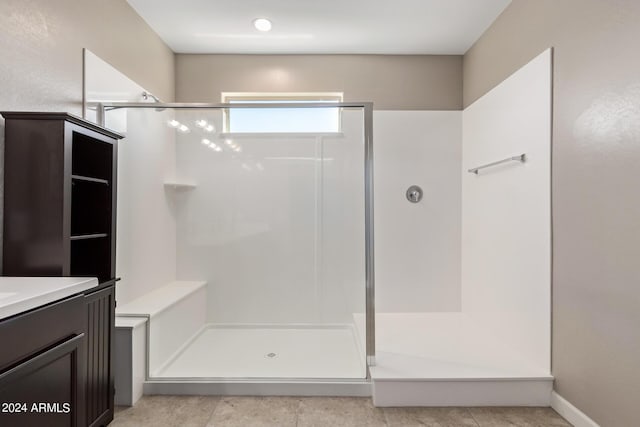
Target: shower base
x: 220, y: 351
x: 445, y: 359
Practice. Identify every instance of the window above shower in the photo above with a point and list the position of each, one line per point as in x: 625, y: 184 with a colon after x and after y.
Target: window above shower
x: 282, y: 120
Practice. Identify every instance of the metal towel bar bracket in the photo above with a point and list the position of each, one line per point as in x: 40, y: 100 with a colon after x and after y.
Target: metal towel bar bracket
x: 520, y: 158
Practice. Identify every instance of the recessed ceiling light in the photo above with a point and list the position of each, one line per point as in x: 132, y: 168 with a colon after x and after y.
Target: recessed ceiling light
x: 262, y: 24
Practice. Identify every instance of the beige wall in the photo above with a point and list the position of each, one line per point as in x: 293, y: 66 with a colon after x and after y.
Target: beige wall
x: 41, y: 45
x: 401, y: 82
x: 595, y: 184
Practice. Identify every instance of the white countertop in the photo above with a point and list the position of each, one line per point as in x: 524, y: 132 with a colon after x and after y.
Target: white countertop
x: 20, y: 294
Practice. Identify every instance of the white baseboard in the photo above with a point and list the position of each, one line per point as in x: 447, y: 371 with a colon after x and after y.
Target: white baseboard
x: 572, y: 414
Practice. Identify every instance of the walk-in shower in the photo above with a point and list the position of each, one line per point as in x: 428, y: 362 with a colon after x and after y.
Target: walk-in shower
x: 272, y: 237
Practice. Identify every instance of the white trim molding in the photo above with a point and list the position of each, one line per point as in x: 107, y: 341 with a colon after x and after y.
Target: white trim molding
x: 462, y: 392
x: 572, y: 414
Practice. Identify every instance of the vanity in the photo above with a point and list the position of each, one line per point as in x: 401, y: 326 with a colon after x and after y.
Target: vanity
x: 43, y: 350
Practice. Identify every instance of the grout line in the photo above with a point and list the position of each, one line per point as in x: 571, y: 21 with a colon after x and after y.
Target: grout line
x: 215, y: 408
x: 384, y: 413
x: 210, y: 420
x: 471, y: 415
x: 298, y: 410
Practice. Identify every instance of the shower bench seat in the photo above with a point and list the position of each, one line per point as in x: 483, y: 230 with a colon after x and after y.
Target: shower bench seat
x: 151, y: 330
x: 155, y: 302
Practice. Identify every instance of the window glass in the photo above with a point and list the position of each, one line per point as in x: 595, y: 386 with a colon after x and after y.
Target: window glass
x: 283, y: 120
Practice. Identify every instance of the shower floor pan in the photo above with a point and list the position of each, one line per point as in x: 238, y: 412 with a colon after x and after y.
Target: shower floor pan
x: 267, y: 352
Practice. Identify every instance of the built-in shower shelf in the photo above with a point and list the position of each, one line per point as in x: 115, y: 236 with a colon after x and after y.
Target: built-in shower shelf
x: 179, y: 186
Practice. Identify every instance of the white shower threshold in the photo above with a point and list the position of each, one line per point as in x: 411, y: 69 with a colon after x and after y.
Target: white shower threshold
x: 445, y: 359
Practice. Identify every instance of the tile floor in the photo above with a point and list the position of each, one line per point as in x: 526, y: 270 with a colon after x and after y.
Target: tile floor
x: 210, y: 411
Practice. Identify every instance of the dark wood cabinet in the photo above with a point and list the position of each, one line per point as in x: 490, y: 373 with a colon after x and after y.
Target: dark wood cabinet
x: 100, y: 376
x: 60, y: 183
x: 45, y: 364
x: 60, y: 196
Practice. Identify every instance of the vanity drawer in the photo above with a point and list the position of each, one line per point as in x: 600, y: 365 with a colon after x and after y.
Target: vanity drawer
x: 45, y: 390
x: 29, y: 333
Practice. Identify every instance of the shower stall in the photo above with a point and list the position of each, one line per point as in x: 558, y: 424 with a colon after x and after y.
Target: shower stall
x: 245, y: 245
x: 259, y: 218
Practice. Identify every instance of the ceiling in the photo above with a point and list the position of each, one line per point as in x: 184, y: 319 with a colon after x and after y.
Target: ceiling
x: 320, y: 26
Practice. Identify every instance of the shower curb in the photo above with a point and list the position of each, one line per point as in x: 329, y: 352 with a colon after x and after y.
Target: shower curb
x: 260, y: 388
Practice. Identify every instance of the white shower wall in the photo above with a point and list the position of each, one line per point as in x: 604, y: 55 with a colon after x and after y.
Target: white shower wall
x: 146, y: 235
x: 146, y: 239
x: 417, y: 245
x: 276, y: 229
x: 506, y: 213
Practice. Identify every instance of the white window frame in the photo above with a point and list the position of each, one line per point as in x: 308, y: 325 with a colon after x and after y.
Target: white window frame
x: 249, y: 97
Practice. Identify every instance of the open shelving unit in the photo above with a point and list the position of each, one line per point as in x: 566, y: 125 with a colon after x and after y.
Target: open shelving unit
x: 92, y: 206
x: 60, y: 197
x: 60, y: 220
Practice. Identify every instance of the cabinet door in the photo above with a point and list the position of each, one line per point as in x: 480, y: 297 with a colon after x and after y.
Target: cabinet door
x: 46, y: 389
x: 100, y: 376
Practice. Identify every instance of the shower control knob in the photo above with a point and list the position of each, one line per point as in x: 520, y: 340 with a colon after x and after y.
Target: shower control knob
x: 414, y: 194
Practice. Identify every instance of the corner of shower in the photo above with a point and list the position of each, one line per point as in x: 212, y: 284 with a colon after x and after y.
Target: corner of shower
x: 271, y: 220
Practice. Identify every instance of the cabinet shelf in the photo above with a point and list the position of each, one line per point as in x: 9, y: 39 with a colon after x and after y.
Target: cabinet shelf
x: 90, y: 179
x: 89, y: 236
